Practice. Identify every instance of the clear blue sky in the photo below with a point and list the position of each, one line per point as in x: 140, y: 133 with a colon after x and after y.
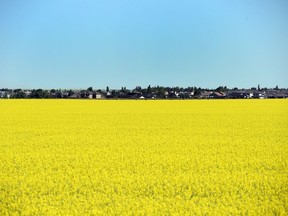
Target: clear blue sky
x: 99, y: 43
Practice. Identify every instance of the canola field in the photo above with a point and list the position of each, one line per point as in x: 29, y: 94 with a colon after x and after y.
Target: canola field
x: 169, y: 157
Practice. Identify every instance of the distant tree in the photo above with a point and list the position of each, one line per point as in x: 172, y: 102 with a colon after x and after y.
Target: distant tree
x: 176, y: 89
x: 149, y: 89
x: 45, y: 94
x: 32, y: 95
x: 123, y: 89
x: 70, y: 93
x: 59, y: 94
x: 18, y: 93
x: 259, y: 87
x: 35, y: 93
x: 159, y: 91
x: 90, y: 89
x: 197, y: 91
x: 114, y: 94
x: 138, y: 88
x: 107, y: 89
x: 5, y: 95
x: 220, y: 89
x: 16, y: 90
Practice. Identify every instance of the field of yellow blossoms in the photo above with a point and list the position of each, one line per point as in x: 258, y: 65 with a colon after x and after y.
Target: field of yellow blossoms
x: 127, y: 157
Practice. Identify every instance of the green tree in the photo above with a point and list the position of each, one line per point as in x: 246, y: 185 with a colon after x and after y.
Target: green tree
x: 18, y: 93
x: 38, y: 93
x: 149, y: 89
x: 70, y: 93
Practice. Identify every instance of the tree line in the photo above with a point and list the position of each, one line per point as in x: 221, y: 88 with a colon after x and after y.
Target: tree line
x: 123, y: 92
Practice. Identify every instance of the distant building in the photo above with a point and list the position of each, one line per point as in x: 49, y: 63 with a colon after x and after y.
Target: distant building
x: 2, y: 94
x: 238, y: 95
x: 217, y: 95
x: 98, y: 95
x: 205, y: 94
x: 259, y: 95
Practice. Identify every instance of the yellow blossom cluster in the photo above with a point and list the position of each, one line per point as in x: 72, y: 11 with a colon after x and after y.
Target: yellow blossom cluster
x: 150, y: 157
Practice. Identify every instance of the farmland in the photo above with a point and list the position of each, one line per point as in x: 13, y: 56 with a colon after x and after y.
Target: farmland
x: 107, y: 157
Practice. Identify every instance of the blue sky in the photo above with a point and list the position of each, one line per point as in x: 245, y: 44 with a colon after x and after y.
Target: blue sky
x: 99, y: 43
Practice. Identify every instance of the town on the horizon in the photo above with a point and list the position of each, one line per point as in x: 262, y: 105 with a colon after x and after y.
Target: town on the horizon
x: 156, y: 92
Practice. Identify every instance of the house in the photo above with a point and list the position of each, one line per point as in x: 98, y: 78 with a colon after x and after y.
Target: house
x: 205, y: 94
x: 98, y: 95
x: 2, y: 94
x: 259, y: 95
x: 86, y: 94
x: 75, y: 96
x: 27, y: 92
x: 185, y: 94
x: 149, y: 95
x: 238, y: 94
x: 130, y: 95
x: 277, y: 93
x: 173, y: 94
x: 217, y: 95
x: 281, y: 95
